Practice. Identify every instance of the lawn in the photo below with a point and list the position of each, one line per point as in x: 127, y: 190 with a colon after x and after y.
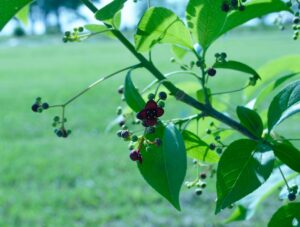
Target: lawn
x: 88, y: 179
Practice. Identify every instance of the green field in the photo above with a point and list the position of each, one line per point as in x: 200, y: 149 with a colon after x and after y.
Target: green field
x: 88, y: 179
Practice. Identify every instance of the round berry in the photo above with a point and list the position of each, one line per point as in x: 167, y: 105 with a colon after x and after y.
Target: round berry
x: 296, y: 20
x: 151, y: 96
x: 119, y: 133
x: 38, y: 99
x: 59, y: 133
x: 225, y: 7
x: 134, y: 138
x: 203, y: 185
x: 56, y: 118
x: 219, y: 150
x: 162, y: 95
x: 134, y: 155
x: 223, y: 55
x: 45, y: 106
x: 198, y: 191
x: 161, y: 104
x: 292, y: 196
x: 217, y: 138
x: 211, y: 72
x: 35, y: 107
x: 65, y: 39
x: 212, y: 146
x: 125, y: 134
x: 122, y: 123
x: 121, y: 89
x: 203, y: 176
x: 67, y: 33
x: 39, y: 109
x: 195, y: 162
x: 148, y: 149
x: 208, y: 131
x: 80, y: 29
x: 198, y: 63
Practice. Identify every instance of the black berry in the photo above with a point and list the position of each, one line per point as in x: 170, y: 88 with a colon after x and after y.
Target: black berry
x: 162, y: 95
x: 35, y: 107
x: 45, y: 106
x: 203, y: 176
x: 292, y: 196
x: 125, y: 134
x: 198, y: 191
x: 225, y: 7
x: 80, y: 29
x: 211, y: 72
x: 212, y: 146
x: 121, y: 89
x: 134, y: 155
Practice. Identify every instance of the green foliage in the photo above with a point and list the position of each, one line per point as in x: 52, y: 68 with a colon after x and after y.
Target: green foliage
x: 165, y: 166
x: 238, y: 66
x: 251, y: 120
x: 108, y: 12
x: 288, y: 154
x: 179, y: 52
x: 160, y: 25
x: 208, y: 22
x: 8, y: 9
x: 283, y: 105
x: 133, y: 98
x: 244, y: 166
x: 201, y: 95
x: 286, y: 215
x: 198, y: 149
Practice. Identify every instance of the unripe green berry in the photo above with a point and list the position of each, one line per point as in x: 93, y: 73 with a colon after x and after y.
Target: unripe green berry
x: 161, y: 104
x: 134, y: 138
x: 151, y: 96
x: 80, y: 29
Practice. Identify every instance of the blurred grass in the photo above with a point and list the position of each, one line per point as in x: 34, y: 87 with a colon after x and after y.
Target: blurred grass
x: 88, y: 180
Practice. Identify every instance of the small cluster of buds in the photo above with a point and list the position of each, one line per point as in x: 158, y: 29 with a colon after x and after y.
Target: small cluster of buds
x: 199, y: 183
x: 73, y: 36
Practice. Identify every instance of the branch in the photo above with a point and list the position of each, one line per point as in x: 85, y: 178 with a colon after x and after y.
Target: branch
x: 179, y: 94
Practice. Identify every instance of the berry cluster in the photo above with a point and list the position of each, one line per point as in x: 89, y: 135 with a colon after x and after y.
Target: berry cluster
x: 38, y: 106
x: 60, y: 131
x: 221, y: 57
x: 199, y: 183
x: 296, y: 26
x: 149, y: 118
x: 229, y: 5
x: 73, y: 36
x: 218, y: 146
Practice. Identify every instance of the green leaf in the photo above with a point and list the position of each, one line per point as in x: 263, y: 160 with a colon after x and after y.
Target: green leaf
x: 254, y: 9
x: 198, y: 149
x: 239, y: 214
x: 132, y: 97
x: 201, y: 96
x: 286, y: 216
x: 244, y: 166
x: 238, y: 66
x: 251, y: 120
x: 272, y: 86
x: 95, y: 28
x: 108, y: 12
x: 164, y: 167
x: 179, y: 52
x: 22, y: 15
x: 160, y: 25
x: 288, y: 154
x: 9, y: 8
x: 205, y: 20
x: 283, y: 105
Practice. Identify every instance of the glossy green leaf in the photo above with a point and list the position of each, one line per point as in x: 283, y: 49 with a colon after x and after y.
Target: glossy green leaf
x: 132, y: 97
x: 95, y: 28
x: 284, y: 105
x: 272, y: 86
x: 9, y: 8
x: 273, y: 69
x: 164, y: 167
x: 198, y: 149
x: 205, y: 20
x: 249, y: 205
x: 251, y: 120
x: 179, y: 52
x: 288, y: 154
x: 286, y: 216
x: 243, y: 167
x: 160, y: 25
x: 238, y: 66
x: 108, y: 12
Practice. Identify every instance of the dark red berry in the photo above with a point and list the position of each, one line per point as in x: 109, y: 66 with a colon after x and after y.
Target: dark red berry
x: 211, y: 72
x: 35, y: 107
x: 225, y: 7
x: 45, y: 106
x: 134, y: 155
x: 292, y: 196
x: 162, y: 95
x: 203, y: 176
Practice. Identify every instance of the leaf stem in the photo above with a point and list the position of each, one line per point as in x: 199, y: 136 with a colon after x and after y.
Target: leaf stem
x: 285, y: 181
x: 228, y: 92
